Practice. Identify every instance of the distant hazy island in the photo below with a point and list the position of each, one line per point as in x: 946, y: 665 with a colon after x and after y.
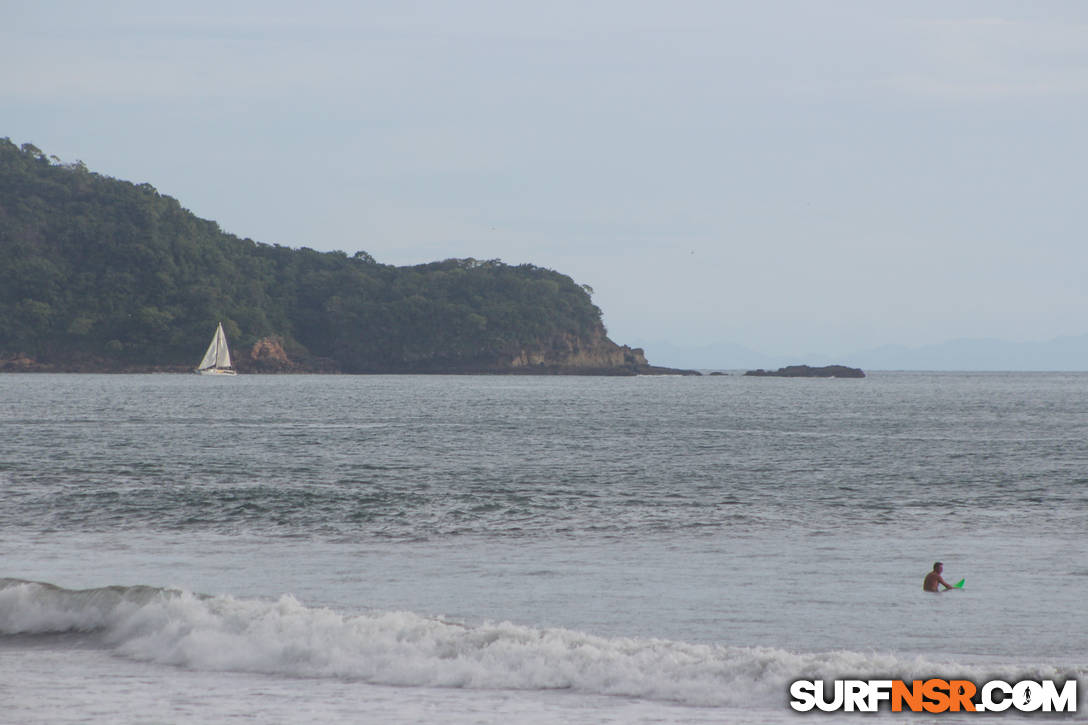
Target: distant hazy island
x: 804, y: 371
x: 103, y: 275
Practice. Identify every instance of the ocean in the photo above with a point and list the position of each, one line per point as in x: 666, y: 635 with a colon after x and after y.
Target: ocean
x: 493, y: 549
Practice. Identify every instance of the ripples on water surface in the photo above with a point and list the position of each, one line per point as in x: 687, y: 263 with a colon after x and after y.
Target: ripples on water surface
x: 424, y: 457
x: 784, y: 524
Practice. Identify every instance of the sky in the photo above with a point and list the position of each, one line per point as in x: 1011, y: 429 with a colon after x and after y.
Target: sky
x: 792, y: 177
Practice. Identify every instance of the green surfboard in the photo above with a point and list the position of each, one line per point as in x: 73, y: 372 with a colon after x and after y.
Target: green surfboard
x: 959, y: 584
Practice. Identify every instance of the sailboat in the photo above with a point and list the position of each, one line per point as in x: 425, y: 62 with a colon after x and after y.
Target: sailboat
x: 217, y: 359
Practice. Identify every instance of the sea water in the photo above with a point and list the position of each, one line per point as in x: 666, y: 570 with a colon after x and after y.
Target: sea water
x: 184, y: 549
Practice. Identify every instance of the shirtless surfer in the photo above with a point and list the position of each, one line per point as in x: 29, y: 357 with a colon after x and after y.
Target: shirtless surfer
x: 934, y: 579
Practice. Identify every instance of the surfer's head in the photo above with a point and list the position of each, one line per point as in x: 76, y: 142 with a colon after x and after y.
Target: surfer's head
x: 938, y: 567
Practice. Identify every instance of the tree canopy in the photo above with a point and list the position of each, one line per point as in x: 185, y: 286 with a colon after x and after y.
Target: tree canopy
x: 93, y: 267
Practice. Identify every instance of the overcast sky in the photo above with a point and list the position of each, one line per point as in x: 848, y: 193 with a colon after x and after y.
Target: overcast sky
x: 790, y: 176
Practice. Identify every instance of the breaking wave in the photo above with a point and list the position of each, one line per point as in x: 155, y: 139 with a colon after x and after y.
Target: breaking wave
x: 285, y: 637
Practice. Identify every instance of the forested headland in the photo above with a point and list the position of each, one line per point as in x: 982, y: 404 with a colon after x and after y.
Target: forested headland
x: 100, y: 274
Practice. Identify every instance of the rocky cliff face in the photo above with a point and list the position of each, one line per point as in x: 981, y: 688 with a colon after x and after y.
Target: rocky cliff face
x: 268, y: 355
x: 570, y: 354
x: 18, y: 363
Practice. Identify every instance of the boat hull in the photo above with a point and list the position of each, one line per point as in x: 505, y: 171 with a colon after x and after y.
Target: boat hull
x: 215, y: 371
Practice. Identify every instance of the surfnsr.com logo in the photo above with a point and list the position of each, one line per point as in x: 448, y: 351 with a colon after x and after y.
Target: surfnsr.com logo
x: 934, y: 696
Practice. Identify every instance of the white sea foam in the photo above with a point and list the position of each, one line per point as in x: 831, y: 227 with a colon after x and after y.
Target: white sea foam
x: 401, y: 648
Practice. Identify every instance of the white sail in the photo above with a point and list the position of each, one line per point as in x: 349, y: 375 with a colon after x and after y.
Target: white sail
x: 222, y: 352
x: 217, y: 357
x: 209, y: 356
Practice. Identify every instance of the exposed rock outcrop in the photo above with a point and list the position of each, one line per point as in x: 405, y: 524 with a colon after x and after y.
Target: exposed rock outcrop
x: 597, y: 355
x: 20, y: 363
x: 567, y: 351
x: 268, y: 355
x: 804, y: 371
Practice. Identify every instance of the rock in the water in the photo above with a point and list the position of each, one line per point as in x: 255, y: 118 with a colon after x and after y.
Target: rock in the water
x: 804, y: 371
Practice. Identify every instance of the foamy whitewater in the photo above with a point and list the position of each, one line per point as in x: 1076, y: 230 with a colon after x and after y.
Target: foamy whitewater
x: 538, y: 550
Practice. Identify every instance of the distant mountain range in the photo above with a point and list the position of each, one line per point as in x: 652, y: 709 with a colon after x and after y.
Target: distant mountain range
x: 982, y: 354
